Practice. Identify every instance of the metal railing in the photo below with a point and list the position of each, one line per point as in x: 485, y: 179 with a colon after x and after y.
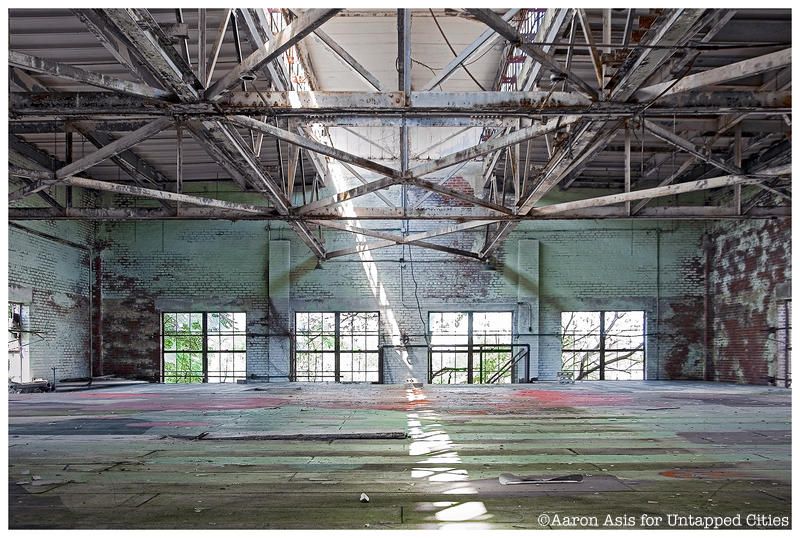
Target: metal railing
x: 493, y: 363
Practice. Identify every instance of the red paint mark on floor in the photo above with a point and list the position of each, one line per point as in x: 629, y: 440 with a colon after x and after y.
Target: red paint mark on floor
x: 162, y: 404
x: 558, y: 398
x: 705, y: 474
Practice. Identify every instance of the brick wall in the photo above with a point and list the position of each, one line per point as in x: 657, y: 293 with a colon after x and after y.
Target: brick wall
x: 148, y: 268
x: 654, y: 267
x: 749, y: 281
x: 48, y: 270
x: 153, y: 267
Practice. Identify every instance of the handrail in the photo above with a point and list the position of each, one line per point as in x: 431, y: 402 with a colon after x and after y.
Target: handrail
x: 524, y: 352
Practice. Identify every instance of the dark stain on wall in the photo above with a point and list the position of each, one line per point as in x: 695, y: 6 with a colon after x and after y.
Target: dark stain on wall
x: 751, y: 263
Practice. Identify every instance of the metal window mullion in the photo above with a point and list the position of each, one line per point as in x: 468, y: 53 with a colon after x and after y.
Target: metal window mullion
x: 163, y: 350
x: 205, y: 347
x: 470, y: 366
x: 292, y: 345
x: 602, y: 346
x: 336, y: 348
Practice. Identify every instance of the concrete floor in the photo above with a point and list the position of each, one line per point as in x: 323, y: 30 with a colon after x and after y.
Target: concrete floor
x: 299, y: 456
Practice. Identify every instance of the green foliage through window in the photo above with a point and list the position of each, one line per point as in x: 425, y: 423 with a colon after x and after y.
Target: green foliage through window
x: 204, y: 346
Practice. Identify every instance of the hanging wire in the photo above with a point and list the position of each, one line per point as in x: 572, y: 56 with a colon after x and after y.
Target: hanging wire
x: 416, y: 296
x: 436, y: 21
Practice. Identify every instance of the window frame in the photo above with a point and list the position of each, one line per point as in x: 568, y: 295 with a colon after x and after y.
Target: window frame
x: 472, y: 349
x: 204, y: 350
x: 601, y: 348
x: 338, y: 350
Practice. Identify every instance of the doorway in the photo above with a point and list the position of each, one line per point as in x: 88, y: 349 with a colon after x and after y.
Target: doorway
x: 19, y: 364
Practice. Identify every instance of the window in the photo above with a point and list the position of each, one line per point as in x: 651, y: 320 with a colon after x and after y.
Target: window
x: 603, y: 345
x: 337, y: 346
x: 204, y: 347
x: 470, y: 347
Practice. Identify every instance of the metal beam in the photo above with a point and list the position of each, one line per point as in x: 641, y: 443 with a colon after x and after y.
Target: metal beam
x: 39, y: 159
x: 597, y: 63
x: 115, y: 43
x: 390, y: 106
x: 548, y: 32
x: 167, y: 195
x: 286, y: 38
x: 69, y: 72
x: 666, y: 181
x: 600, y: 142
x: 480, y: 202
x: 689, y: 147
x: 404, y: 50
x: 156, y: 50
x: 419, y: 201
x: 225, y: 141
x: 215, y: 49
x: 202, y: 213
x: 348, y: 195
x: 363, y: 181
x: 673, y: 27
x: 260, y: 34
x: 561, y: 162
x: 389, y: 240
x: 487, y: 37
x: 139, y: 170
x: 185, y: 40
x: 239, y: 158
x: 514, y: 137
x: 136, y: 167
x: 313, y: 145
x: 719, y: 75
x: 668, y: 190
x: 353, y: 64
x: 718, y: 22
x: 25, y: 81
x: 512, y: 35
x: 202, y: 28
x: 117, y: 146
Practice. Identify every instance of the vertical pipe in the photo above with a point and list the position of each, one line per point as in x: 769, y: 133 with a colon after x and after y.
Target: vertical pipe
x: 708, y: 374
x: 68, y: 158
x: 627, y: 167
x: 179, y: 159
x: 787, y: 343
x: 737, y: 189
x: 658, y: 304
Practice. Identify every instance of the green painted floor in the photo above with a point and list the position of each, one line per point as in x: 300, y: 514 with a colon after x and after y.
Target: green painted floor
x: 298, y: 456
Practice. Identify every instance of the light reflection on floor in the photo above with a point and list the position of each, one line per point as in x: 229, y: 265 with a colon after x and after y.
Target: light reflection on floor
x: 430, y: 441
